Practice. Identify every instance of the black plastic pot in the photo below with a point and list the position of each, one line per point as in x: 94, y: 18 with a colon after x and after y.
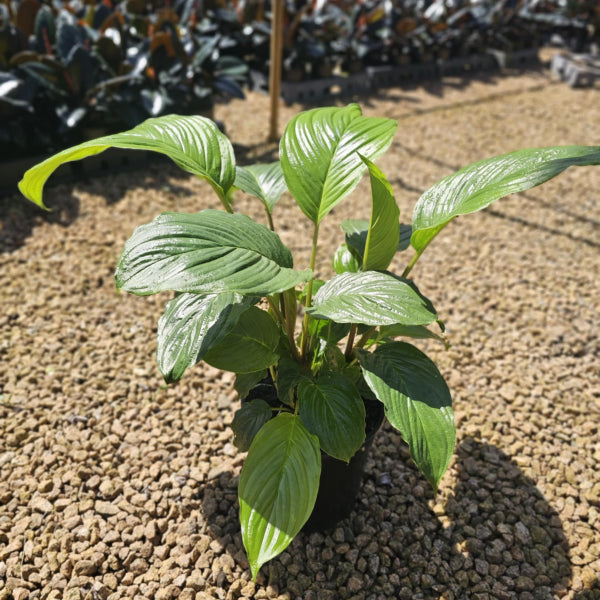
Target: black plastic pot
x: 340, y: 481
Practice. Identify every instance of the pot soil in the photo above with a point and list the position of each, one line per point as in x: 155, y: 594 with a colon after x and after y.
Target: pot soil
x: 340, y: 482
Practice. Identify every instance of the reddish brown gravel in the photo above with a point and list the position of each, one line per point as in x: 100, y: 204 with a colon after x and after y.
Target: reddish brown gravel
x: 114, y: 487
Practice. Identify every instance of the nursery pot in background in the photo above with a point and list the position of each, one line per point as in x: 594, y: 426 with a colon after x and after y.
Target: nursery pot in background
x: 340, y: 481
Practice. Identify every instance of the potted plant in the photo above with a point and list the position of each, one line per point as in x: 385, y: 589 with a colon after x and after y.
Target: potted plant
x: 311, y: 356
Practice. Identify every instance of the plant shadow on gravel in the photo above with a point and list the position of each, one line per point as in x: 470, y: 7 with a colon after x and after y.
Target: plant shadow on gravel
x: 512, y: 539
x: 496, y: 536
x: 19, y: 217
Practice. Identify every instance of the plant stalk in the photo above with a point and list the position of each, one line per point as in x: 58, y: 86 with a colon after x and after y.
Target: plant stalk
x: 289, y: 304
x: 350, y: 341
x: 412, y: 263
x: 270, y: 219
x: 364, y: 338
x: 275, y: 309
x: 313, y: 260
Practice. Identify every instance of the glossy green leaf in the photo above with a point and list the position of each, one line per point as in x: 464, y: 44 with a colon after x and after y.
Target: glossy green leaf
x: 356, y: 231
x: 346, y: 260
x: 207, y: 252
x: 265, y: 182
x: 191, y: 324
x: 194, y: 143
x: 417, y: 403
x: 332, y: 409
x: 289, y: 375
x: 478, y: 185
x: 244, y: 382
x: 319, y: 154
x: 412, y: 331
x: 371, y: 298
x: 383, y: 234
x: 251, y: 345
x: 247, y: 422
x: 328, y: 330
x: 278, y: 487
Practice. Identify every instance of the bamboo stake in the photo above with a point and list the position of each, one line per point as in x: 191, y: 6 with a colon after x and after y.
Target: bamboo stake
x: 275, y: 70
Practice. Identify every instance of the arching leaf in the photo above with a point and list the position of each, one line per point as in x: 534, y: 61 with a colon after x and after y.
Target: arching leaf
x: 191, y: 325
x: 417, y: 403
x: 478, y: 185
x: 207, y: 252
x: 194, y: 143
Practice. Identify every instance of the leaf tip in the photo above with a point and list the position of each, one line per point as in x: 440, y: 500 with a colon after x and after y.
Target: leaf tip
x: 26, y: 190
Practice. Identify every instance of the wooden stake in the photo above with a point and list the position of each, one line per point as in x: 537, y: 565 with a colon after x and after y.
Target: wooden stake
x: 275, y: 70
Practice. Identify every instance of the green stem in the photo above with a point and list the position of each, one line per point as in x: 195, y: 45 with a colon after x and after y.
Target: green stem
x: 417, y: 255
x: 350, y: 342
x: 273, y: 376
x: 289, y: 309
x: 313, y: 260
x: 275, y: 309
x: 364, y: 338
x: 224, y: 197
x: 270, y: 219
x: 412, y: 263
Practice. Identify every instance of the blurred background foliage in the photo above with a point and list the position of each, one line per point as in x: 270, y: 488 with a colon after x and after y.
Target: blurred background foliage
x: 75, y: 69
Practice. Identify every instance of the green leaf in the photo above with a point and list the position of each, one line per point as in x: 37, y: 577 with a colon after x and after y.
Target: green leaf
x: 332, y: 408
x: 384, y: 233
x: 412, y: 331
x: 194, y: 143
x: 247, y: 421
x: 346, y: 260
x: 328, y: 330
x: 244, y: 382
x: 417, y: 403
x: 191, y: 324
x: 371, y: 298
x: 278, y: 487
x: 356, y: 231
x: 250, y: 346
x: 207, y: 252
x: 478, y: 185
x: 289, y: 375
x: 265, y: 182
x: 319, y: 154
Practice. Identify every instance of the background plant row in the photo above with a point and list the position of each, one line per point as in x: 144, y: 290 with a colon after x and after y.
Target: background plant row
x: 68, y: 68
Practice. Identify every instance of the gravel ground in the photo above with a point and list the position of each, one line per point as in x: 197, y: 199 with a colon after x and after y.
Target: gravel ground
x: 114, y: 487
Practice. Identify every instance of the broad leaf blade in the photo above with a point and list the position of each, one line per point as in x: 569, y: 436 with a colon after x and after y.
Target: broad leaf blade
x: 247, y: 422
x: 383, y: 233
x: 332, y: 409
x: 319, y: 154
x: 244, y: 382
x: 190, y: 325
x: 478, y: 185
x: 417, y: 403
x: 265, y: 182
x: 207, y: 252
x: 289, y: 375
x: 192, y: 142
x: 357, y: 230
x: 371, y: 298
x: 251, y: 345
x: 412, y: 331
x: 278, y: 487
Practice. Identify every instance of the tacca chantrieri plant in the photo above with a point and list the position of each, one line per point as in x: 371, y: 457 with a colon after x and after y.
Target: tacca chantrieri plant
x: 238, y: 297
